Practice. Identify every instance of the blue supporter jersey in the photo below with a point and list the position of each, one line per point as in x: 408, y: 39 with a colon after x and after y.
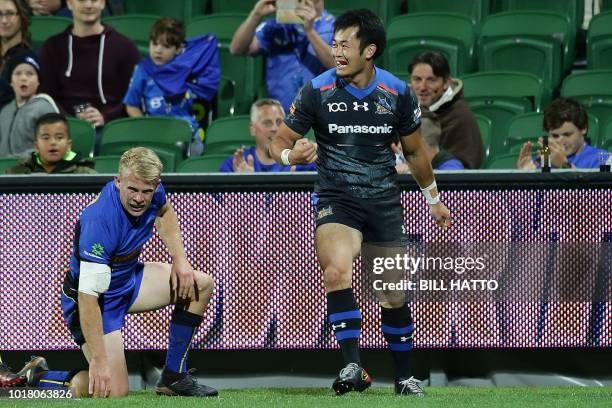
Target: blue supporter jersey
x: 227, y: 167
x: 144, y: 94
x: 354, y: 129
x: 588, y: 158
x: 452, y: 164
x: 292, y: 61
x: 107, y: 234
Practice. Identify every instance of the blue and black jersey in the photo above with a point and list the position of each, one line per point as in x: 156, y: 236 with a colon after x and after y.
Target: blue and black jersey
x: 354, y: 128
x: 107, y: 234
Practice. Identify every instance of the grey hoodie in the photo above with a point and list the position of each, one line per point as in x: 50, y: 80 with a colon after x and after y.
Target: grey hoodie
x: 17, y: 125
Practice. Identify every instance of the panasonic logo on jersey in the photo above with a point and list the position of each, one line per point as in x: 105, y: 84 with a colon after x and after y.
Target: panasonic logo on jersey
x: 334, y: 128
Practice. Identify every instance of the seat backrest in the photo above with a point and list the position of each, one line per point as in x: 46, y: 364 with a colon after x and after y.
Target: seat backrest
x: 542, y: 25
x: 107, y: 164
x: 181, y: 10
x: 43, y: 27
x: 572, y: 9
x: 232, y: 6
x: 588, y: 83
x: 419, y: 25
x: 208, y: 163
x: 606, y: 133
x: 223, y: 25
x: 474, y: 9
x: 160, y: 130
x: 524, y: 127
x: 136, y: 27
x: 599, y: 41
x: 83, y: 136
x: 505, y: 84
x: 503, y: 161
x: 229, y: 129
x: 606, y: 5
x: 7, y: 162
x: 246, y: 72
x: 382, y: 8
x: 485, y: 125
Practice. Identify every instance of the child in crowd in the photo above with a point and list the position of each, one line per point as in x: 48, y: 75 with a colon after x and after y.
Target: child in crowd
x: 174, y: 74
x: 18, y: 117
x: 52, y: 152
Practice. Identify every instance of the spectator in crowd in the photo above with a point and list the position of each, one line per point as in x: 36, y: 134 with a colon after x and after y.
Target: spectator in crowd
x: 436, y: 90
x: 18, y: 117
x: 52, y: 152
x: 296, y: 53
x: 50, y: 8
x: 566, y: 122
x: 431, y: 131
x: 14, y: 42
x: 173, y: 75
x: 266, y: 117
x: 87, y: 67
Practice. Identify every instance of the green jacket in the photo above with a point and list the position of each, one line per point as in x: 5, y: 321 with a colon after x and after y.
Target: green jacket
x: 72, y: 163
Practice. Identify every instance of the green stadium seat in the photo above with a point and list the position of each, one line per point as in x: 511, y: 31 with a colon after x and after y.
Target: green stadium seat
x: 599, y: 42
x: 7, y: 162
x: 592, y: 89
x: 537, y: 42
x: 165, y: 135
x: 500, y: 96
x: 170, y: 156
x: 572, y: 9
x: 83, y: 136
x: 225, y: 135
x: 523, y: 128
x: 606, y: 132
x: 43, y: 27
x: 476, y: 10
x: 136, y: 27
x: 385, y: 9
x: 503, y: 161
x: 107, y: 164
x: 247, y: 74
x: 224, y: 25
x: 410, y: 34
x: 486, y: 127
x: 232, y: 6
x: 181, y: 10
x: 606, y: 5
x: 226, y: 97
x: 208, y: 163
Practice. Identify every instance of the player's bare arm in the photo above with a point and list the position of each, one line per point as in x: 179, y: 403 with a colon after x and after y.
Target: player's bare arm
x: 182, y: 275
x: 91, y: 324
x: 290, y: 148
x: 421, y: 170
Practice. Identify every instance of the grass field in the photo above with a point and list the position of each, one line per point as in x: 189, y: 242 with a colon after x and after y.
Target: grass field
x: 455, y: 397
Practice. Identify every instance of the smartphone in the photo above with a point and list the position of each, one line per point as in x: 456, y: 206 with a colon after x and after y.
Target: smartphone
x: 285, y: 12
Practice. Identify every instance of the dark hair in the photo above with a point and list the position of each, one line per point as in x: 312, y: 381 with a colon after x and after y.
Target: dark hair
x: 171, y: 28
x: 24, y: 12
x: 371, y: 29
x: 51, y: 118
x: 563, y: 110
x: 437, y: 61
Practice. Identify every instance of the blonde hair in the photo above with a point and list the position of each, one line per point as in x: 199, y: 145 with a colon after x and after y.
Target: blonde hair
x: 143, y: 162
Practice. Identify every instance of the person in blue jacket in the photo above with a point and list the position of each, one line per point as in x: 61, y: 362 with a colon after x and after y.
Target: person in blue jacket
x: 295, y: 53
x: 566, y: 122
x: 266, y: 117
x: 174, y: 74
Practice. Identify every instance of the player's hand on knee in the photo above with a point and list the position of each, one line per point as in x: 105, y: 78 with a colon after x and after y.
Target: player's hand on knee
x: 99, y: 378
x: 441, y: 215
x: 182, y: 279
x: 304, y: 152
